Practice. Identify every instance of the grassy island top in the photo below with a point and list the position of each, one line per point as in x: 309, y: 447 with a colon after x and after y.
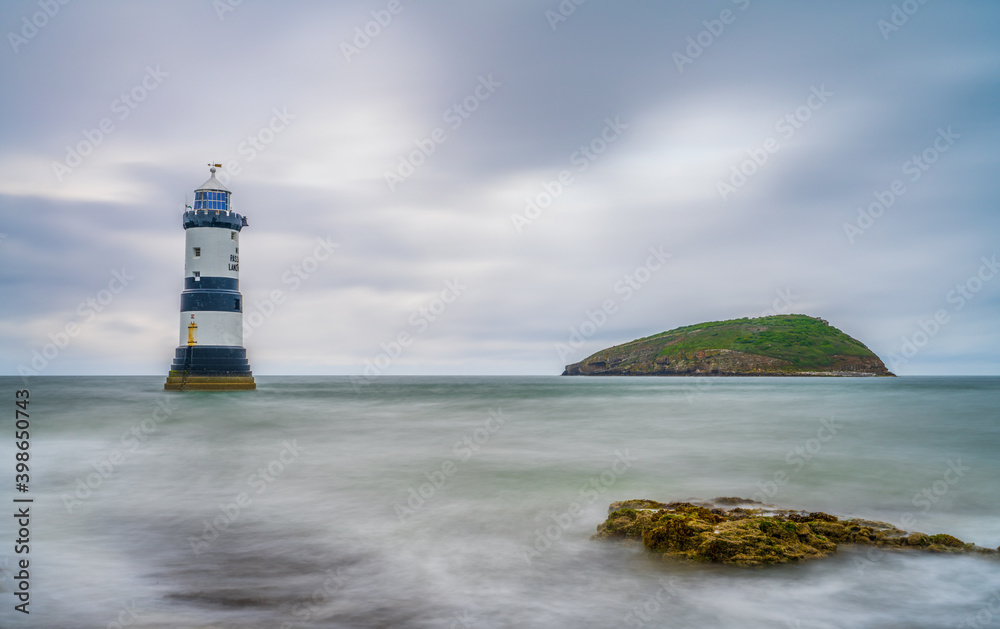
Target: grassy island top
x: 778, y: 345
x: 799, y: 339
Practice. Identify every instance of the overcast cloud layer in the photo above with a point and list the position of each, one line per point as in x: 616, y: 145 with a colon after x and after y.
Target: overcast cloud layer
x: 112, y: 110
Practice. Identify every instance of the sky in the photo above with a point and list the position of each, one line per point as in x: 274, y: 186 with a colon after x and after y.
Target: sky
x: 446, y: 187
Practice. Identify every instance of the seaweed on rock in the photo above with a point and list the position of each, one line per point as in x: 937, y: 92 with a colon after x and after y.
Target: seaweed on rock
x: 751, y: 534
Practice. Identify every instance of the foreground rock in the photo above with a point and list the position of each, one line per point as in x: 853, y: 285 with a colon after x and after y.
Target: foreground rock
x: 748, y: 533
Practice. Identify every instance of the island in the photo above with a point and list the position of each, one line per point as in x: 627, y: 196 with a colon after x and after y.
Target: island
x: 779, y: 345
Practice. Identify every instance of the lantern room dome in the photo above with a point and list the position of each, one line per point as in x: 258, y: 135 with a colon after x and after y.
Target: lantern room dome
x: 212, y: 183
x: 212, y: 195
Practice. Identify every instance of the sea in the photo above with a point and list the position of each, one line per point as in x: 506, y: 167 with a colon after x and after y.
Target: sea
x: 469, y: 502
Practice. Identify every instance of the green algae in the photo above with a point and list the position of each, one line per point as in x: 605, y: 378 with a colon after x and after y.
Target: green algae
x: 755, y: 536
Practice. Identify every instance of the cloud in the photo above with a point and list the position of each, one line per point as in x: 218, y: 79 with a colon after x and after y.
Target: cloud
x: 313, y: 135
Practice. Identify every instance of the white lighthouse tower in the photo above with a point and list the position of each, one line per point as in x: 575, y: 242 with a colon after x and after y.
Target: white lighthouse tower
x: 211, y: 356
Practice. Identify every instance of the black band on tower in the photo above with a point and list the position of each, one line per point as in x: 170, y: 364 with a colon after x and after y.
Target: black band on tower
x: 211, y: 360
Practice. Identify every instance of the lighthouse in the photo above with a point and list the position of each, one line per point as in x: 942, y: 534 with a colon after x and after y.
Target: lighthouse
x: 211, y: 356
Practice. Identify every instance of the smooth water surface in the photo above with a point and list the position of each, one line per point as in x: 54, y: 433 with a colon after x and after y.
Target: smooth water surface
x: 469, y: 502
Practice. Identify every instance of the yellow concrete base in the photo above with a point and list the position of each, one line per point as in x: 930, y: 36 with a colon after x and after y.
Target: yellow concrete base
x: 177, y: 381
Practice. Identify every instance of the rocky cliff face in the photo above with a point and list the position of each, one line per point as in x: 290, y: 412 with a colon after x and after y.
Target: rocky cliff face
x: 695, y: 351
x: 721, y: 362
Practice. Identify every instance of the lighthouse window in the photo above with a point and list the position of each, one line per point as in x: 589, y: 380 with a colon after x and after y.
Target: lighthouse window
x: 197, y: 276
x: 236, y: 306
x: 206, y: 200
x: 197, y: 252
x: 233, y: 235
